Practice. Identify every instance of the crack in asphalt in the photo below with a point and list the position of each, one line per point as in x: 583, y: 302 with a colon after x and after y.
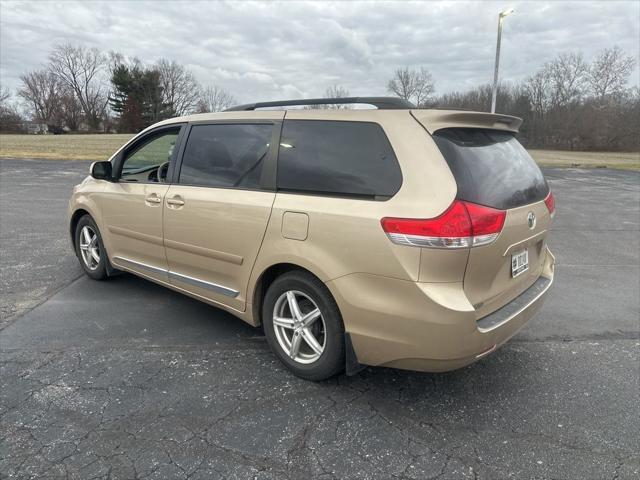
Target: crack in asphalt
x: 59, y: 385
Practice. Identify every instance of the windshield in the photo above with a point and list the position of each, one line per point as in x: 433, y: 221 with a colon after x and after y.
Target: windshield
x: 491, y: 167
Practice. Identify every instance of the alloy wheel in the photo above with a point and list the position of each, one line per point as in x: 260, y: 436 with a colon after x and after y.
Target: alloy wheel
x: 299, y: 327
x: 89, y: 247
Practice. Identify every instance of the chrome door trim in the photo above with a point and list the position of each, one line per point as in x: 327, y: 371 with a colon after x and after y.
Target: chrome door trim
x: 229, y: 292
x: 141, y: 265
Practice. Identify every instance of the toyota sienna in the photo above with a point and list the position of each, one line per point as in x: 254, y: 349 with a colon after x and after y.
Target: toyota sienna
x: 395, y: 236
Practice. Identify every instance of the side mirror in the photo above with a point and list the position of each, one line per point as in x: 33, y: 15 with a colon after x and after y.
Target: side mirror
x: 101, y: 170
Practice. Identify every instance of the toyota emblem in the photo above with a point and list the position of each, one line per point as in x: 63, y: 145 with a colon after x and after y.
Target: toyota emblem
x: 531, y: 220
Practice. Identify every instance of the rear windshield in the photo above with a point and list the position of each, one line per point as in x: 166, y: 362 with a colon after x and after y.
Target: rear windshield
x: 491, y: 167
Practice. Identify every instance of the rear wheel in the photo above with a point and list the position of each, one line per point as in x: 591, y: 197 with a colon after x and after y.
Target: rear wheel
x: 303, y: 326
x: 90, y: 249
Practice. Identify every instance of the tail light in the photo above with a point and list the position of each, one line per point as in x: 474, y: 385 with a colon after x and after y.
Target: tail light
x: 550, y: 202
x: 463, y: 225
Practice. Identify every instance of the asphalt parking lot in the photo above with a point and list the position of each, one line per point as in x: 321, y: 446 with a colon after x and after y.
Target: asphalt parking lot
x: 125, y: 379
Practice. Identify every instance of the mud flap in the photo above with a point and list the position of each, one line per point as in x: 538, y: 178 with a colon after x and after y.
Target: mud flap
x: 111, y: 271
x: 352, y: 366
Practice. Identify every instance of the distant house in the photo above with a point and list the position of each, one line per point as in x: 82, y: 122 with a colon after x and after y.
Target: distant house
x: 57, y: 130
x: 35, y: 128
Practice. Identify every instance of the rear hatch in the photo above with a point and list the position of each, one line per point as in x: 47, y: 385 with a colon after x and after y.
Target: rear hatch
x: 493, y: 169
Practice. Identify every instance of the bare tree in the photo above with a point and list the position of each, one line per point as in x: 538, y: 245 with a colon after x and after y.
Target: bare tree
x: 180, y: 89
x: 560, y: 107
x: 10, y: 119
x: 609, y: 73
x: 81, y: 70
x: 70, y: 110
x: 4, y: 95
x: 334, y: 91
x: 41, y: 90
x: 557, y: 83
x: 538, y: 89
x: 567, y: 74
x: 214, y: 99
x: 413, y: 85
x: 337, y: 91
x: 114, y: 60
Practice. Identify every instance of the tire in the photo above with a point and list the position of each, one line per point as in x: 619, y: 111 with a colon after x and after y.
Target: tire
x: 85, y: 244
x: 324, y: 325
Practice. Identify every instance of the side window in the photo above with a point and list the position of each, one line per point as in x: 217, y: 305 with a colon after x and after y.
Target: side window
x: 150, y: 161
x: 343, y: 158
x: 225, y: 155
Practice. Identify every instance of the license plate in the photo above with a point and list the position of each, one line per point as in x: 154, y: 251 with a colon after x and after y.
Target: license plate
x: 519, y: 262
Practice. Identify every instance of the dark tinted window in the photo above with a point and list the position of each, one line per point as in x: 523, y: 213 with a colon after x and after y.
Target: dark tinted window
x: 225, y: 155
x: 491, y: 167
x: 344, y: 158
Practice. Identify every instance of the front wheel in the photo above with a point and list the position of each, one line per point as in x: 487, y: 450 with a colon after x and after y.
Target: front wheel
x: 303, y: 326
x: 90, y: 249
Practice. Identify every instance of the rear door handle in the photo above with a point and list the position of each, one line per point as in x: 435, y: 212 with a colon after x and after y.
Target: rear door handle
x: 175, y: 201
x: 153, y: 198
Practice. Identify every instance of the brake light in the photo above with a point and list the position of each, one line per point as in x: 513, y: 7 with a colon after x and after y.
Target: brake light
x: 550, y: 202
x: 463, y: 225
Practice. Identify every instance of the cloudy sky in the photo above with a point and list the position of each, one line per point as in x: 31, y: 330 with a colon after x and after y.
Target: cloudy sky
x: 266, y: 51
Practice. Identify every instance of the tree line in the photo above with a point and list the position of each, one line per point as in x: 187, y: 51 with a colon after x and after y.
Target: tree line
x: 85, y: 89
x: 567, y: 103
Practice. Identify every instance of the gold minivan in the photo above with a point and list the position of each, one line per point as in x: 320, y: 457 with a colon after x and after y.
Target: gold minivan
x: 389, y: 236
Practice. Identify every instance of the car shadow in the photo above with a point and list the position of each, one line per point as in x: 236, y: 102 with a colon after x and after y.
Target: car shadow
x: 190, y: 320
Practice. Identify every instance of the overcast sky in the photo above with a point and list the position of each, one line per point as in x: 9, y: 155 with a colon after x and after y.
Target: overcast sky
x: 267, y: 51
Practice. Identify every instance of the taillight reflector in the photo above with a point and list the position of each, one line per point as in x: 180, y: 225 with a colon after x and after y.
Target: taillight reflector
x: 550, y: 202
x: 462, y: 225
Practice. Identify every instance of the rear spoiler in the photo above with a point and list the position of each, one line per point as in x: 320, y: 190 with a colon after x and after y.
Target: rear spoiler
x: 434, y: 120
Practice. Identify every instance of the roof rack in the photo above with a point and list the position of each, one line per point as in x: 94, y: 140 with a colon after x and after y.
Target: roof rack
x: 382, y: 103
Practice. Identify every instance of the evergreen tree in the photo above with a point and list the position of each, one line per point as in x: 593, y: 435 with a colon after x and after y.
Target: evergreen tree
x: 137, y: 97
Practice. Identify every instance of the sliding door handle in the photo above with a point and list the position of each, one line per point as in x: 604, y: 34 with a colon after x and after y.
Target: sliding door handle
x: 175, y: 202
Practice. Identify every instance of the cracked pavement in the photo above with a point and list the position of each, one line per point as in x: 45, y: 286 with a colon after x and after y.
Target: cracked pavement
x: 125, y: 379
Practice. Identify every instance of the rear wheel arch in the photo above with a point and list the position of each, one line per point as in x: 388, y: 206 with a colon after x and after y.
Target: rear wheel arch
x: 266, y: 278
x: 309, y: 337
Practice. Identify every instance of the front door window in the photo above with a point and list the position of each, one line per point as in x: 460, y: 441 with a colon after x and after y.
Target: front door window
x: 150, y: 161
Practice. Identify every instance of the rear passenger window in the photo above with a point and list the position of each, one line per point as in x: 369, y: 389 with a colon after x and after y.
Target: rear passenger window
x: 341, y: 158
x: 225, y: 155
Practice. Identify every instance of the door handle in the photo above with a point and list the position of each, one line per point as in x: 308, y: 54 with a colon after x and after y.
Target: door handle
x: 153, y: 198
x: 175, y: 201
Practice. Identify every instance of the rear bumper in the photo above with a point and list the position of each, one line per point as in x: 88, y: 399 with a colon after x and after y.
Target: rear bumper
x: 428, y: 326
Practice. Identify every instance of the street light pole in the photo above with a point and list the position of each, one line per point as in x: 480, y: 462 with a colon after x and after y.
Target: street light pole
x: 494, y: 93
